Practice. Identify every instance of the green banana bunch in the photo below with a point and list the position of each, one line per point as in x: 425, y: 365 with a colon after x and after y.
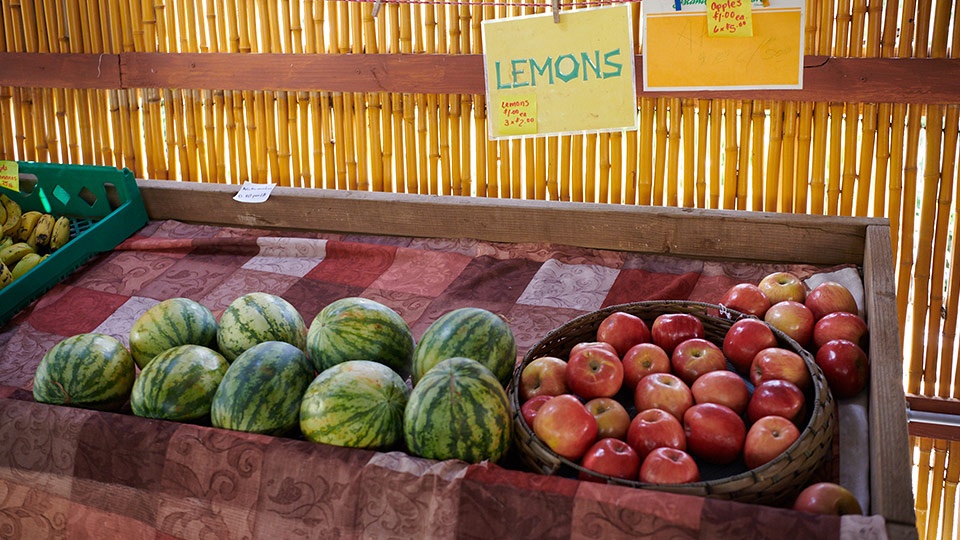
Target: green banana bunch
x: 6, y: 276
x: 12, y: 254
x: 60, y: 234
x: 26, y: 264
x: 11, y: 222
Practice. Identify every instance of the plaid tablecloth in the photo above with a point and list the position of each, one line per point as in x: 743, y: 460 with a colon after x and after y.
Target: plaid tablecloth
x: 68, y: 472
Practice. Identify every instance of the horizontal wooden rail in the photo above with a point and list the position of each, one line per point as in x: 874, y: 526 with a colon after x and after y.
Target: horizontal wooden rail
x: 869, y: 80
x: 934, y: 417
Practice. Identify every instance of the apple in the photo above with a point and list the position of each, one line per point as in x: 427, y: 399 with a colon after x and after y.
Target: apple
x: 612, y: 418
x: 641, y: 360
x: 565, y: 426
x: 793, y: 319
x: 839, y: 325
x: 780, y: 363
x: 669, y: 466
x: 744, y: 339
x: 714, y: 433
x: 612, y: 457
x: 827, y: 498
x: 845, y: 366
x: 670, y: 329
x: 531, y: 406
x: 780, y: 286
x: 623, y: 330
x: 724, y: 387
x: 588, y: 344
x: 746, y: 298
x: 777, y: 397
x: 545, y: 375
x: 663, y: 391
x: 655, y: 428
x: 594, y: 372
x: 696, y: 356
x: 768, y: 438
x: 830, y: 297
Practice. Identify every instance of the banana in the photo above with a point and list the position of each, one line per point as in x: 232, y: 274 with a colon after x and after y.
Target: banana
x: 7, y: 240
x: 60, y: 234
x: 26, y: 264
x: 12, y: 254
x: 3, y: 214
x: 40, y: 237
x: 28, y: 221
x: 12, y: 222
x: 6, y: 276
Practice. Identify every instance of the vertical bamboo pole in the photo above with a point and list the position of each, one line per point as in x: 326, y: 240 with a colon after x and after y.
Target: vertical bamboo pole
x: 758, y: 129
x: 936, y: 491
x: 716, y: 125
x: 615, y: 161
x: 731, y: 145
x: 703, y: 129
x: 660, y: 156
x: 906, y: 259
x: 949, y: 332
x: 566, y: 145
x: 744, y: 159
x: 835, y: 159
x: 788, y: 161
x: 848, y: 178
x: 689, y: 139
x: 772, y: 191
x: 804, y: 145
x: 646, y: 159
x: 672, y: 181
x: 922, y: 491
x: 589, y: 166
x: 576, y: 169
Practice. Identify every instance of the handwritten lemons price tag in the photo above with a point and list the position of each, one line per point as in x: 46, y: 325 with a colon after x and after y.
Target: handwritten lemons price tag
x: 729, y: 18
x: 10, y: 175
x: 517, y: 114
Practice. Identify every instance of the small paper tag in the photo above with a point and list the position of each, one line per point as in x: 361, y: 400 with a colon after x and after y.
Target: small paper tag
x: 253, y: 193
x: 729, y: 18
x: 10, y: 175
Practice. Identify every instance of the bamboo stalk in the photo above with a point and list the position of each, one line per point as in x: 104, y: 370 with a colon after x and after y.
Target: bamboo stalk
x: 590, y: 171
x: 848, y: 178
x: 771, y: 185
x: 646, y: 160
x: 716, y: 124
x: 702, y: 112
x: 921, y: 501
x: 689, y: 140
x: 881, y: 161
x: 867, y: 183
x: 660, y: 158
x: 936, y: 491
x: 952, y: 283
x: 576, y: 169
x: 835, y: 151
x: 950, y: 492
x: 912, y: 332
x: 744, y: 159
x: 675, y: 117
x: 788, y: 161
x: 566, y: 144
x: 615, y: 174
x: 552, y: 165
x: 731, y: 151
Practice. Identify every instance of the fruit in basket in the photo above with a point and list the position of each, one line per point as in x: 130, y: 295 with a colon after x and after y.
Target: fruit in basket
x: 40, y: 236
x: 258, y: 317
x: 746, y: 298
x: 714, y: 433
x: 612, y: 417
x: 623, y: 330
x: 781, y: 286
x: 845, y: 366
x: 61, y: 233
x: 612, y: 457
x: 744, y: 339
x: 566, y: 426
x: 655, y: 428
x: 11, y: 223
x: 793, y: 319
x: 594, y: 372
x: 827, y: 498
x: 778, y: 398
x: 670, y: 329
x: 12, y: 254
x: 360, y: 329
x: 830, y: 297
x: 27, y: 263
x: 544, y: 375
x: 170, y: 323
x: 262, y: 389
x: 468, y: 332
x: 28, y: 221
x: 724, y: 387
x: 357, y: 404
x: 780, y: 363
x: 695, y: 357
x: 768, y: 438
x: 641, y: 360
x: 178, y: 384
x: 531, y: 407
x: 588, y: 344
x: 839, y: 325
x: 669, y: 466
x: 459, y: 410
x: 663, y: 391
x: 6, y: 276
x: 89, y: 370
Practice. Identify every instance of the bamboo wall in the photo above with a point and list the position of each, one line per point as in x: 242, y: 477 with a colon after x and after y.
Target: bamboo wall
x: 892, y: 159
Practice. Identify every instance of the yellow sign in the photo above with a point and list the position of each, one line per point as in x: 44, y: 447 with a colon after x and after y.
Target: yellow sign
x: 680, y: 54
x: 729, y: 18
x: 576, y: 75
x: 10, y: 175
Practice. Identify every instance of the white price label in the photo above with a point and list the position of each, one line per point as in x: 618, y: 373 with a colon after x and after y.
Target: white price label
x: 253, y: 193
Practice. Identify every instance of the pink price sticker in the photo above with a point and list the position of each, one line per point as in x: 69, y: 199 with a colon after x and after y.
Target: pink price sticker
x: 10, y: 175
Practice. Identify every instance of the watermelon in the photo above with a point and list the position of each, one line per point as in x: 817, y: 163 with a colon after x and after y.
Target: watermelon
x: 357, y: 403
x: 172, y: 322
x: 262, y: 389
x: 360, y: 329
x: 258, y: 317
x: 178, y: 384
x: 91, y: 370
x: 470, y: 333
x: 459, y: 410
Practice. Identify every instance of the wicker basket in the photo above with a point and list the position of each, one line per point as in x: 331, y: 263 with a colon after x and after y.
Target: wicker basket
x: 773, y: 483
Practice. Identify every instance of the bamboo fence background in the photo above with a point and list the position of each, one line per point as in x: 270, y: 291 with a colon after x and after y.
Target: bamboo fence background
x: 892, y: 159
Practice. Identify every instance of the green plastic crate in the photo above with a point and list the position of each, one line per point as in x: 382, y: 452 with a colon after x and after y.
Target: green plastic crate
x: 105, y: 208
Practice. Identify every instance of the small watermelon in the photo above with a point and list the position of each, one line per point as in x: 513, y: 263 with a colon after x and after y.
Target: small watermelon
x: 459, y: 410
x: 172, y: 322
x: 262, y: 389
x: 470, y: 333
x: 178, y: 384
x: 93, y: 371
x: 357, y: 403
x: 360, y: 329
x: 258, y: 317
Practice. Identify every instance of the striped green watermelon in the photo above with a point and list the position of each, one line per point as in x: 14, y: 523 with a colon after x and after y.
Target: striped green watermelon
x: 459, y: 410
x: 471, y: 333
x: 93, y: 371
x: 172, y: 322
x: 178, y: 384
x: 262, y: 389
x: 360, y: 329
x: 257, y: 317
x: 357, y: 403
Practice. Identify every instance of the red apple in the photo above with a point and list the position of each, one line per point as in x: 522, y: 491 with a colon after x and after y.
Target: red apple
x: 641, y: 360
x: 780, y: 363
x: 663, y: 391
x: 670, y: 329
x: 744, y: 339
x: 531, y: 406
x: 714, y: 433
x: 565, y: 426
x: 778, y: 398
x: 589, y: 344
x: 793, y: 319
x: 623, y: 330
x: 839, y: 325
x: 594, y: 372
x: 767, y: 438
x: 696, y: 356
x: 845, y: 366
x: 612, y: 418
x: 830, y: 297
x: 746, y: 298
x: 827, y: 498
x: 612, y: 457
x: 724, y: 387
x: 780, y: 286
x: 654, y: 428
x: 669, y: 466
x: 545, y: 375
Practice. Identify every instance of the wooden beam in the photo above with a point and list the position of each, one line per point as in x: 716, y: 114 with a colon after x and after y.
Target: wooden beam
x: 66, y: 70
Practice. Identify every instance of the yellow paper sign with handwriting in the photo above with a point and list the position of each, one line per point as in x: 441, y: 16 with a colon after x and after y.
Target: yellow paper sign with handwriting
x: 10, y: 175
x: 729, y: 18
